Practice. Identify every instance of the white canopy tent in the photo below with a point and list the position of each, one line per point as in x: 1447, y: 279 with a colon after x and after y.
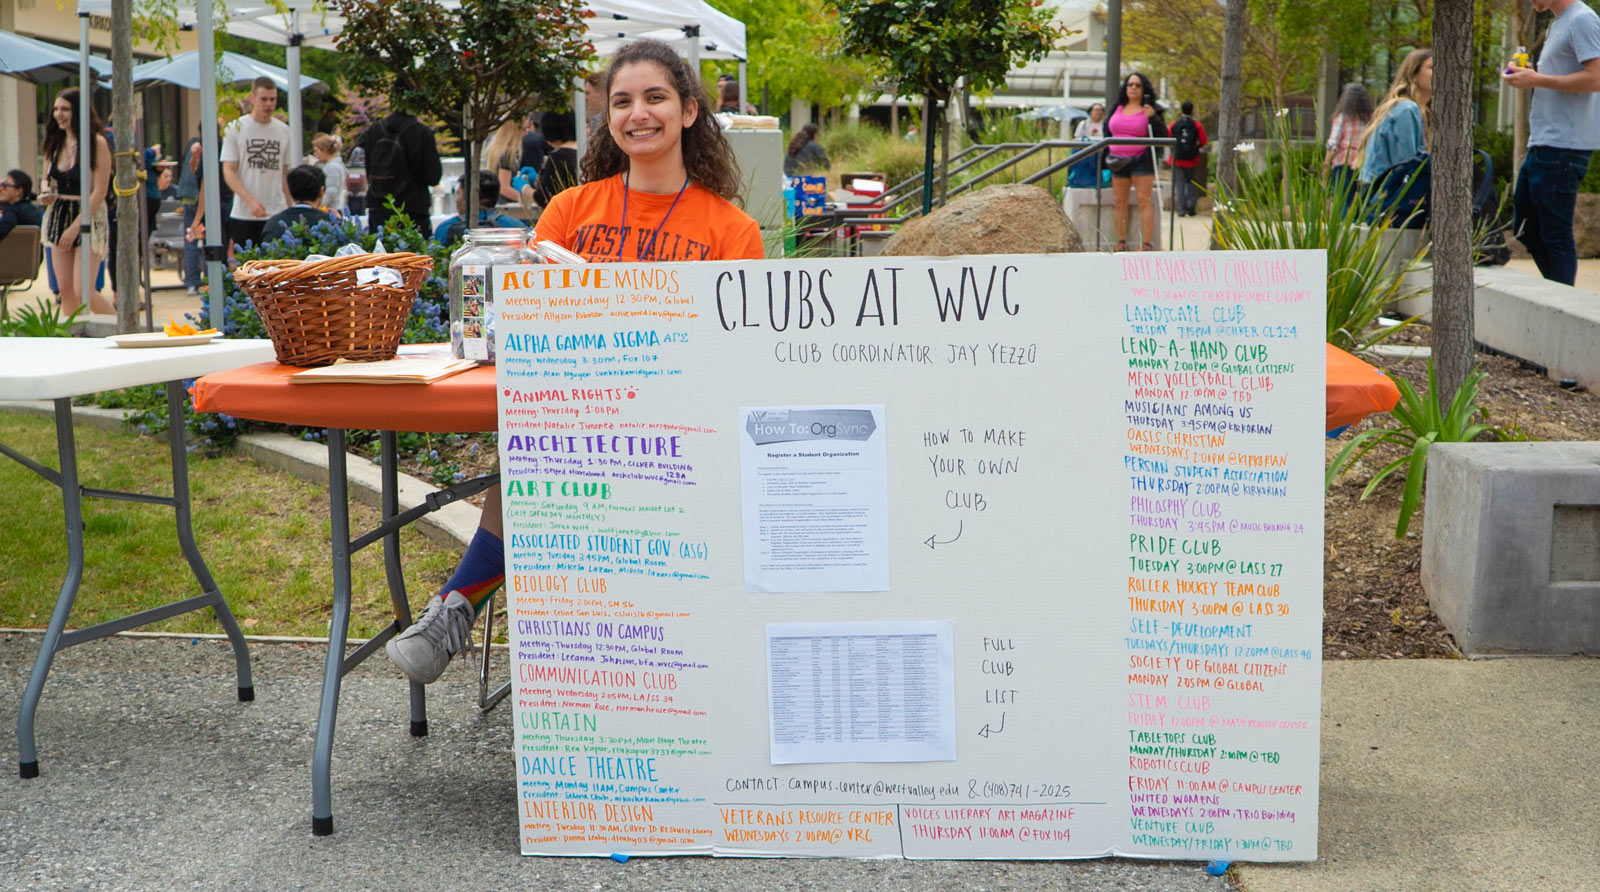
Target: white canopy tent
x: 184, y: 70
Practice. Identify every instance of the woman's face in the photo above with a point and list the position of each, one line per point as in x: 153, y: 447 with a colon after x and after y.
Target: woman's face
x: 1096, y: 112
x: 1135, y: 88
x: 9, y: 192
x: 1425, y: 76
x: 61, y: 112
x: 646, y: 115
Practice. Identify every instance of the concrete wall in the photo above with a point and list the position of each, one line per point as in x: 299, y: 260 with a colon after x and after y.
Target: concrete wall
x: 1554, y: 325
x: 1511, y: 549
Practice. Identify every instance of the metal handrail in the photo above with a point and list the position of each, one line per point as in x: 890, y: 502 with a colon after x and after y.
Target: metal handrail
x: 1085, y: 151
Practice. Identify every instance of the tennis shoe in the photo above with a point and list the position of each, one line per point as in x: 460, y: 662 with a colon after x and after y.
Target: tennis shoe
x: 423, y: 650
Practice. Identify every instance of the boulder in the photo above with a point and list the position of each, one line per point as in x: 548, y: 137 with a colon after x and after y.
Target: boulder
x: 1586, y: 224
x: 1006, y: 219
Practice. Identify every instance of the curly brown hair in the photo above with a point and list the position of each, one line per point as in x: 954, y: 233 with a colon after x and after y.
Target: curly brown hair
x: 707, y: 156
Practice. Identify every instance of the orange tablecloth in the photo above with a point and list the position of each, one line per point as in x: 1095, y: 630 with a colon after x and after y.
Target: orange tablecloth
x: 466, y: 402
x: 263, y: 392
x: 1355, y: 390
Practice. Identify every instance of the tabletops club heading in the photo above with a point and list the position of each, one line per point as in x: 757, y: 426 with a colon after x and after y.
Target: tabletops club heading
x: 800, y: 298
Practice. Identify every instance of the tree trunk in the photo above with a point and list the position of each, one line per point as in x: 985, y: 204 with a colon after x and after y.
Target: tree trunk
x: 944, y: 155
x: 124, y: 170
x: 1523, y: 13
x: 1232, y: 93
x: 1451, y: 214
x: 469, y: 169
x: 928, y: 107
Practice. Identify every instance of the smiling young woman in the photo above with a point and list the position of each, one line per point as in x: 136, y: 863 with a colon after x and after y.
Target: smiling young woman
x: 660, y: 180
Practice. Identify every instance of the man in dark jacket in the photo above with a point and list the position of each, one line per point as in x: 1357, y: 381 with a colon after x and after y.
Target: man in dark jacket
x: 306, y: 185
x: 402, y: 161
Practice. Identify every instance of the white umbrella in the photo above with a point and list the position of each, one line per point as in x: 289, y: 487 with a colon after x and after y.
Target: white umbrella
x: 41, y: 63
x: 183, y: 70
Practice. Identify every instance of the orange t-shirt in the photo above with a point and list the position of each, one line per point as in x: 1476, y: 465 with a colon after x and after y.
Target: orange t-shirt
x: 587, y: 220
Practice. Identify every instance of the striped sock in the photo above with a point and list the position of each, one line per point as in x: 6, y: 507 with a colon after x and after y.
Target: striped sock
x: 481, y: 572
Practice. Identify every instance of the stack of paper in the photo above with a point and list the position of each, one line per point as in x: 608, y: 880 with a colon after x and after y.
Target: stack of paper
x: 403, y: 370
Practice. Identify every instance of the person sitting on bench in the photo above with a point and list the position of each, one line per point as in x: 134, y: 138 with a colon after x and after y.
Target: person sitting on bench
x: 17, y: 207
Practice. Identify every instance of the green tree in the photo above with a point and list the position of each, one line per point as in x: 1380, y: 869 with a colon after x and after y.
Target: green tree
x: 929, y: 45
x: 473, y: 67
x: 794, y: 52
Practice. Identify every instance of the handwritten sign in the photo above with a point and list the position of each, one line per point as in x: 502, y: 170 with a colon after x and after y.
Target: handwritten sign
x: 1096, y: 478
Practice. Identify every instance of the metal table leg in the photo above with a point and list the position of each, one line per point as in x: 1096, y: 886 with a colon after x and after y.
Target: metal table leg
x: 338, y: 631
x: 344, y: 547
x: 72, y: 497
x: 72, y: 493
x: 191, y: 552
x: 392, y: 570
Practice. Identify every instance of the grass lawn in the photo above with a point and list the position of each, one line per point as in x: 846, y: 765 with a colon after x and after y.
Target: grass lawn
x: 263, y: 533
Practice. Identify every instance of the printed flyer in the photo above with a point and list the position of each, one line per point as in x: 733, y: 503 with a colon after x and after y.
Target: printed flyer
x: 982, y: 557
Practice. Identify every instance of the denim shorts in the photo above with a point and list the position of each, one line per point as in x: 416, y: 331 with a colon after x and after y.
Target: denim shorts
x: 1141, y: 167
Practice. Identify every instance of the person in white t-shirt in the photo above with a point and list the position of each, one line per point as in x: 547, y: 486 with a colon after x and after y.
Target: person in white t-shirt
x: 255, y: 161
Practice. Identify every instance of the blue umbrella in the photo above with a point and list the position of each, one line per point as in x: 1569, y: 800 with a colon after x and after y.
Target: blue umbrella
x: 183, y: 70
x: 39, y: 62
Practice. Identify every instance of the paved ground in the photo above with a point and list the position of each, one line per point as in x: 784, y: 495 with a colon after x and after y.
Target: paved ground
x: 153, y: 777
x: 1437, y: 775
x: 1454, y: 776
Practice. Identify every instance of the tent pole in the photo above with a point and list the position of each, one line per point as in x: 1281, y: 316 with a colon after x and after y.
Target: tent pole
x: 580, y: 117
x: 744, y: 89
x: 693, y: 33
x: 86, y: 283
x: 296, y: 117
x: 216, y: 247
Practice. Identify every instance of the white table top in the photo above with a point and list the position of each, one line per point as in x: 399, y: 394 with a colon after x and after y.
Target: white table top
x: 55, y: 368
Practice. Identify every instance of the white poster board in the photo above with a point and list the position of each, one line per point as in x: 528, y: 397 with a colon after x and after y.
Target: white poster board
x: 1038, y: 545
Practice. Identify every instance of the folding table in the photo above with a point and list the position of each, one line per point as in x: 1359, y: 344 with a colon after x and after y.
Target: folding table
x: 460, y: 404
x: 59, y: 369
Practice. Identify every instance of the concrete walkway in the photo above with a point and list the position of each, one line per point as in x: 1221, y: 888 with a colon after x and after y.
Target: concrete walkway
x: 1437, y: 775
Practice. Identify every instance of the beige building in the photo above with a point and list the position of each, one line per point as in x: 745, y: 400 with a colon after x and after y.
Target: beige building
x: 169, y: 114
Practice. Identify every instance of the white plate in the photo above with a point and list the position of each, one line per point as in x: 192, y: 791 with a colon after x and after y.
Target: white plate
x: 158, y: 339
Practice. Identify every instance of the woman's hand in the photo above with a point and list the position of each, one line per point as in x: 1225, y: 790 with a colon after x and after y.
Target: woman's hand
x: 64, y: 243
x: 1149, y: 110
x: 48, y: 197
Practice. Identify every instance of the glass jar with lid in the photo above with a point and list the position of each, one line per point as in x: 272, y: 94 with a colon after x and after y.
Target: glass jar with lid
x: 472, y: 312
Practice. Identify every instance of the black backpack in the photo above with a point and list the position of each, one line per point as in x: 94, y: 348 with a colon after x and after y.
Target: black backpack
x: 388, y: 163
x: 1186, y: 134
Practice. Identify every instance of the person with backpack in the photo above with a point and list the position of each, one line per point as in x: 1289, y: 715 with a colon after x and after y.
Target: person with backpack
x: 402, y: 161
x: 1189, y: 137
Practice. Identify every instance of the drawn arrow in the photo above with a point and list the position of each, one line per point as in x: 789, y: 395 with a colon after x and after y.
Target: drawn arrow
x: 933, y: 540
x: 985, y: 731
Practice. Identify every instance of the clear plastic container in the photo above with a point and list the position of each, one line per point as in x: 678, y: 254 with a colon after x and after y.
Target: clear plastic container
x: 472, y: 313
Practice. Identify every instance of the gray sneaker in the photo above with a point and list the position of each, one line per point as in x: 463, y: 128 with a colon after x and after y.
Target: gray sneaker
x: 423, y: 650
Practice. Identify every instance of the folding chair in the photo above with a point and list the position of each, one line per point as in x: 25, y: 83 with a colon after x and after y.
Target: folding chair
x: 21, y: 254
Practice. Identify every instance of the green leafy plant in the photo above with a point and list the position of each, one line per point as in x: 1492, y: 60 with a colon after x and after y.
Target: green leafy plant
x: 1292, y: 206
x: 41, y: 320
x: 1421, y: 426
x: 928, y: 46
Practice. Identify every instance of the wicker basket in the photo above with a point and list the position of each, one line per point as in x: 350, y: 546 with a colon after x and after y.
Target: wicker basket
x: 315, y: 312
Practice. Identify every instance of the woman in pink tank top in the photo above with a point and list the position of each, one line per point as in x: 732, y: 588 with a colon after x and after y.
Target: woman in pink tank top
x: 1136, y: 115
